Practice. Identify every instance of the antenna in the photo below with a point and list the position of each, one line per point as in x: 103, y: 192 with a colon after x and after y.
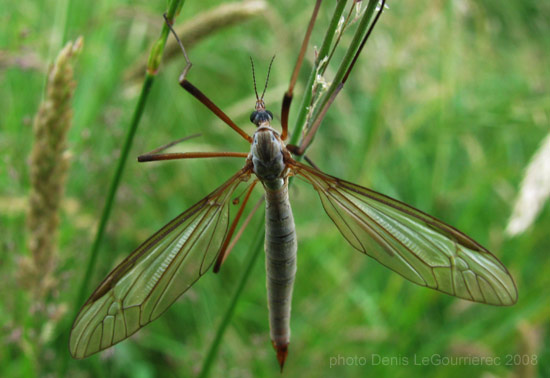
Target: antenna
x: 267, y: 79
x: 254, y: 78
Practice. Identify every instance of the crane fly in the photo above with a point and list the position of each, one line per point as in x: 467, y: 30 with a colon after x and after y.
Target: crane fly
x: 419, y: 247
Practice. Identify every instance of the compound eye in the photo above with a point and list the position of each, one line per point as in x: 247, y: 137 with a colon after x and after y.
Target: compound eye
x: 253, y: 116
x: 270, y: 115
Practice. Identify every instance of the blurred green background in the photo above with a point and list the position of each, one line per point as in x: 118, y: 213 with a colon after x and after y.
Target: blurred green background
x: 445, y: 108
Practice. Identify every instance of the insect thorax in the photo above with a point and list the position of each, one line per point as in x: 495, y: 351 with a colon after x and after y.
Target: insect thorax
x: 267, y: 157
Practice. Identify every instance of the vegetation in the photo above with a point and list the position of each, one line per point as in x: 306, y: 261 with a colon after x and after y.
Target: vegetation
x: 444, y: 110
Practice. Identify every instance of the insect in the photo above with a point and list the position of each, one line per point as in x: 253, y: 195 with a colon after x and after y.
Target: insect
x: 419, y: 247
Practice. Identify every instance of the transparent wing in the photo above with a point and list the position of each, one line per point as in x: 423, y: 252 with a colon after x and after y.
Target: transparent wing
x: 419, y: 247
x: 148, y: 281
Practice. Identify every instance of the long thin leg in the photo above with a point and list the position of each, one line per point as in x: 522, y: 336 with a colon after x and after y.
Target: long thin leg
x: 168, y: 145
x: 156, y: 154
x: 308, y: 138
x: 224, y: 250
x: 287, y: 99
x: 231, y: 245
x: 306, y: 158
x: 189, y: 155
x: 195, y: 92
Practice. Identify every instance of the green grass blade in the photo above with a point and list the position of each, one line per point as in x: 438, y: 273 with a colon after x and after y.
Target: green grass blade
x: 154, y: 61
x: 325, y: 47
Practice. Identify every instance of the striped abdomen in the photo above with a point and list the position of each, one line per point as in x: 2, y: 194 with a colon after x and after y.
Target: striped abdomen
x: 280, y: 249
